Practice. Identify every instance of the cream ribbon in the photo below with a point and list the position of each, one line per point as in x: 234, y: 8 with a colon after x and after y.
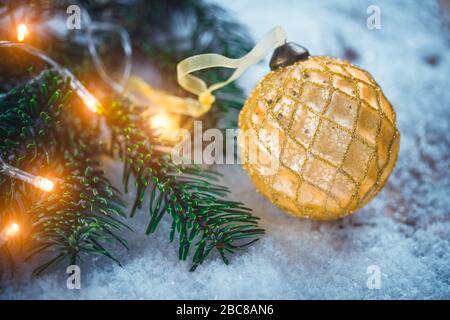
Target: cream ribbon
x: 274, y: 38
x: 200, y: 106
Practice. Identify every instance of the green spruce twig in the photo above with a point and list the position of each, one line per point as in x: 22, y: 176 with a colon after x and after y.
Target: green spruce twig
x: 201, y: 215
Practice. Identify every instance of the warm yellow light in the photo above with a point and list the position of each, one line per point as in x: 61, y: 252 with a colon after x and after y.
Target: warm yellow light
x: 166, y: 125
x: 43, y: 184
x: 92, y: 104
x: 22, y: 31
x: 12, y: 229
x: 160, y: 121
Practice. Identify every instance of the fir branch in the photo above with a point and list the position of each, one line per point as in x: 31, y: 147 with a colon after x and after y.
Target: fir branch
x: 85, y: 213
x: 201, y: 215
x: 41, y: 132
x: 79, y: 219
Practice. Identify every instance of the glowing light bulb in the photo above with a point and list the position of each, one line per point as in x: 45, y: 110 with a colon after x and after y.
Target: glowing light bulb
x: 160, y: 121
x: 9, y: 231
x: 92, y: 104
x: 12, y: 229
x: 22, y: 31
x: 37, y: 181
x: 166, y: 125
x: 43, y: 184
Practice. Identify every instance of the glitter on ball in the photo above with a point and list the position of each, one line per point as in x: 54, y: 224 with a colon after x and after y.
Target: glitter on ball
x: 338, y: 142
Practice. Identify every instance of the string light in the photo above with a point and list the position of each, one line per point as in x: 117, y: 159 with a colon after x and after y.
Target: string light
x: 10, y: 231
x: 176, y: 105
x: 88, y: 98
x: 37, y: 181
x: 43, y: 184
x: 22, y: 31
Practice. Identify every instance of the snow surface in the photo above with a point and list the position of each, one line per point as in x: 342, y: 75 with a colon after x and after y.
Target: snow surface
x: 405, y: 230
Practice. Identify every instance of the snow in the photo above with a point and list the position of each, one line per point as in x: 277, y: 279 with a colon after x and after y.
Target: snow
x: 405, y: 231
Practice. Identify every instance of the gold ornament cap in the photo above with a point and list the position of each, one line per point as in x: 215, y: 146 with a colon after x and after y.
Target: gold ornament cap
x: 287, y: 54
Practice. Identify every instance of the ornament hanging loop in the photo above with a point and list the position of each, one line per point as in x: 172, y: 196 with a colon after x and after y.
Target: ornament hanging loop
x: 273, y: 39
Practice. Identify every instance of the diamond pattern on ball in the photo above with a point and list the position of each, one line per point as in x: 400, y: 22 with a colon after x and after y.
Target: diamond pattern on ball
x: 336, y: 137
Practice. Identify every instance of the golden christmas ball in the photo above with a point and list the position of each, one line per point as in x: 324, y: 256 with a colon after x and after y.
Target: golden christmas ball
x: 318, y: 138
